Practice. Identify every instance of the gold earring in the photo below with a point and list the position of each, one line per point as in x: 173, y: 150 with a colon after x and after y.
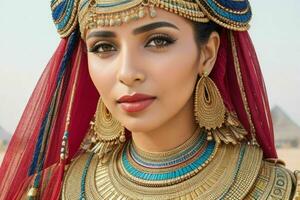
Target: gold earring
x: 212, y: 115
x: 107, y: 132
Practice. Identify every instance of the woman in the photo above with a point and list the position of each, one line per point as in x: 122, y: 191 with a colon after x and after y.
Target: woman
x: 182, y: 111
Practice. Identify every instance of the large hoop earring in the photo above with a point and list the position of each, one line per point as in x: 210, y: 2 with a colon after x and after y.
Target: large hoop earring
x: 212, y: 115
x: 106, y: 131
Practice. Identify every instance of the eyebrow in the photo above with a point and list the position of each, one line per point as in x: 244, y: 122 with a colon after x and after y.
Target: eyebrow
x: 153, y: 26
x: 104, y: 34
x: 142, y: 29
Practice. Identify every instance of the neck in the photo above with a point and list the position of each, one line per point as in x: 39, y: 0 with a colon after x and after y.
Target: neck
x: 170, y: 134
x: 196, y: 141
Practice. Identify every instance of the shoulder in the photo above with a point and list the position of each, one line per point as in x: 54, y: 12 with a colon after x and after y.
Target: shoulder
x: 74, y: 175
x: 274, y: 181
x: 255, y: 178
x: 269, y: 180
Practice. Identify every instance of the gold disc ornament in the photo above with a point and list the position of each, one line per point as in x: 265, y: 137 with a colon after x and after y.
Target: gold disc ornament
x: 106, y: 131
x: 107, y: 127
x: 212, y: 115
x: 209, y: 106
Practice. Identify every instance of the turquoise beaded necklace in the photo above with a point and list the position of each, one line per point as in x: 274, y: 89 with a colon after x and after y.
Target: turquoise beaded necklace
x: 181, y: 157
x: 83, y: 177
x: 167, y: 170
x: 170, y: 170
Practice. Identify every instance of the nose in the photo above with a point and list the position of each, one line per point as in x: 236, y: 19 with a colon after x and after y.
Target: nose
x: 130, y: 72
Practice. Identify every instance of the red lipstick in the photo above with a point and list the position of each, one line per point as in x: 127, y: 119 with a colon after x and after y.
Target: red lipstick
x: 136, y: 102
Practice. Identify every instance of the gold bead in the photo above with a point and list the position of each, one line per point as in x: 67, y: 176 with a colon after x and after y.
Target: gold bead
x: 209, y: 136
x: 126, y: 19
x: 62, y: 156
x: 112, y: 22
x: 152, y: 11
x: 118, y: 21
x: 100, y: 22
x: 106, y: 22
x: 32, y: 192
x: 122, y: 138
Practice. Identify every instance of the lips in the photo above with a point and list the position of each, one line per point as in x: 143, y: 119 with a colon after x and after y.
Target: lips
x: 134, y: 98
x: 136, y: 102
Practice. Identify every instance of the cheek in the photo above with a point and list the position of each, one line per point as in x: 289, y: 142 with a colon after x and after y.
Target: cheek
x: 101, y: 74
x: 176, y: 71
x: 173, y: 76
x: 177, y: 84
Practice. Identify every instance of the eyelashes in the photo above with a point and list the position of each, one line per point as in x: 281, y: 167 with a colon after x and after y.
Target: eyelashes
x: 102, y: 48
x: 160, y: 41
x: 157, y: 41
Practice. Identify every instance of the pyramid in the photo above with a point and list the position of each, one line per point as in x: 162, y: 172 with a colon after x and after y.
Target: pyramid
x: 4, y: 135
x: 286, y: 131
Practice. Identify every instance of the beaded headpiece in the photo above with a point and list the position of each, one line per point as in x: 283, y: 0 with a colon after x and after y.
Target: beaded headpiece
x: 67, y: 14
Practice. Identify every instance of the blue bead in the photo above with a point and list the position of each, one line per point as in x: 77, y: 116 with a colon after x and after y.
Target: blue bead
x: 65, y: 10
x: 234, y: 5
x: 241, y: 18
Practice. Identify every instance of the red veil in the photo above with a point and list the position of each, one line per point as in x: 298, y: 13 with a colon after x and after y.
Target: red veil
x: 64, y: 101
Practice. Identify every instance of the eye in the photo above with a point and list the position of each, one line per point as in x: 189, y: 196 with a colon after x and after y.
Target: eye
x: 160, y: 41
x: 100, y: 48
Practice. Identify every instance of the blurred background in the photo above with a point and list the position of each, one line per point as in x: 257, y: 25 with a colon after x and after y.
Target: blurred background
x: 28, y: 38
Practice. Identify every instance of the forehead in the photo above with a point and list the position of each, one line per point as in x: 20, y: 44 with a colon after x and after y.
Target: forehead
x: 164, y: 18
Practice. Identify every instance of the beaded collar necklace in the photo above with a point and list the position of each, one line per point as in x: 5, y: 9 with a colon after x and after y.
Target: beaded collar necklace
x: 158, y: 169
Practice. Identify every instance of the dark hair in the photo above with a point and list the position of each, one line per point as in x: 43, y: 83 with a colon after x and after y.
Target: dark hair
x: 202, y: 31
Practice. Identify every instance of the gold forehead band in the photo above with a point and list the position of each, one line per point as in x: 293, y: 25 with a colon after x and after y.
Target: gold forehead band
x: 67, y: 14
x: 100, y: 13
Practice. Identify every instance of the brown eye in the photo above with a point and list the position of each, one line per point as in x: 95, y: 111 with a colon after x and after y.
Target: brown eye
x: 160, y: 41
x: 102, y: 48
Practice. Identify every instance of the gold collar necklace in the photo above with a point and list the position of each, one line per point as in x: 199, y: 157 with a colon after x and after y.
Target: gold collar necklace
x: 135, y: 174
x: 159, y: 169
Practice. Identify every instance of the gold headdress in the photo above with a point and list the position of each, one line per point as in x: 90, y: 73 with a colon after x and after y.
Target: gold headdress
x: 114, y: 13
x: 67, y: 14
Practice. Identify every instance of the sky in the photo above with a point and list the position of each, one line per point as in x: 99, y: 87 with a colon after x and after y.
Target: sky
x: 28, y: 39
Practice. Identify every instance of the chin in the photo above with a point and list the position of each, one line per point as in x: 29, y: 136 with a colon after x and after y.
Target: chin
x: 140, y: 124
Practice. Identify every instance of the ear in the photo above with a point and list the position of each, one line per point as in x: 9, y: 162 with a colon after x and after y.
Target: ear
x: 208, y: 53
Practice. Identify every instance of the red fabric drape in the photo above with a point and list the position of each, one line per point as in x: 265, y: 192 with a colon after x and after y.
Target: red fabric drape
x: 254, y: 100
x: 14, y: 179
x: 14, y: 169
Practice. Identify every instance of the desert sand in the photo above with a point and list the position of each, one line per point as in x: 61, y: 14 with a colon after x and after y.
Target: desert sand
x: 291, y: 157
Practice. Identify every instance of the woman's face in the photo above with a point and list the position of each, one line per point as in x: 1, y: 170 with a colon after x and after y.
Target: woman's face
x: 154, y: 56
